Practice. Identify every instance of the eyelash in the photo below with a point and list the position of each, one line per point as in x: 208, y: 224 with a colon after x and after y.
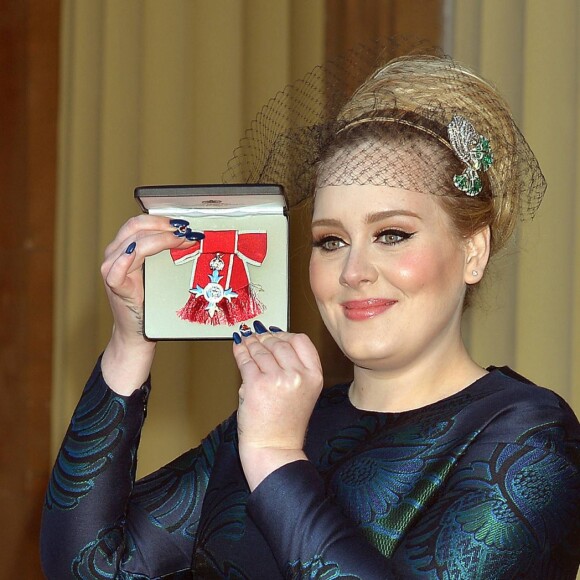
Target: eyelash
x: 396, y: 233
x: 321, y: 243
x: 404, y: 236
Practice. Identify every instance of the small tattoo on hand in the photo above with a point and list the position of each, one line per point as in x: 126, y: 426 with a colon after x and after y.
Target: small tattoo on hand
x: 139, y: 317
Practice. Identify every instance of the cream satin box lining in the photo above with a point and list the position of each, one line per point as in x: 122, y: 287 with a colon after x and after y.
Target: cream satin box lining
x: 238, y: 273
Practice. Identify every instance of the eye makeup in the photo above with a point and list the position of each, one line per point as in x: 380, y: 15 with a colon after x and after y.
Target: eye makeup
x: 393, y: 236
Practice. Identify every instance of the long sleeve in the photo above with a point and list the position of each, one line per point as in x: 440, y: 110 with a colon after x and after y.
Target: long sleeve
x: 485, y: 484
x: 99, y: 523
x: 307, y: 532
x: 496, y: 500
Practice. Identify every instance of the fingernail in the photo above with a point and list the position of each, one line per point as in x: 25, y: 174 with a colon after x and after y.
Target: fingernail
x: 194, y: 236
x: 245, y: 330
x: 259, y: 327
x: 131, y: 248
x: 274, y: 329
x: 237, y: 338
x: 178, y: 223
x: 181, y: 231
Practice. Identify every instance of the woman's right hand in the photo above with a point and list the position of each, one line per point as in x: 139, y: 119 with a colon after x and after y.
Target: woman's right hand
x: 127, y: 360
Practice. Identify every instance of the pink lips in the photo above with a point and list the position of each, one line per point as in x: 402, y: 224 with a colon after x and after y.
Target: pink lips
x: 365, y: 309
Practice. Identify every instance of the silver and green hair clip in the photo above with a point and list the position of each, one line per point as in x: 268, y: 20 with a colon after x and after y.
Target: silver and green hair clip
x: 471, y: 148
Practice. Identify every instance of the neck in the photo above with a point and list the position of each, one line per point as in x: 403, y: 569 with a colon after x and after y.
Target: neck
x: 415, y: 385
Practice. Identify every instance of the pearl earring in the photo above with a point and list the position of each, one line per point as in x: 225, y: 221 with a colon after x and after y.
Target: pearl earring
x: 474, y: 273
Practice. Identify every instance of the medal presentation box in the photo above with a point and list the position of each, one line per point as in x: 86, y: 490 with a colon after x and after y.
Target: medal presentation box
x: 236, y: 274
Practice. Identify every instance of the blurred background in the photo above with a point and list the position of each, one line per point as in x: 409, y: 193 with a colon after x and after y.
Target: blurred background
x: 100, y: 96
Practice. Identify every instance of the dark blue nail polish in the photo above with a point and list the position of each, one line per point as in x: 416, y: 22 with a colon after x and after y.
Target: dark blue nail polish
x: 259, y: 327
x: 131, y: 248
x: 194, y: 236
x: 180, y: 232
x: 237, y: 338
x: 178, y: 223
x: 274, y: 329
x: 245, y: 330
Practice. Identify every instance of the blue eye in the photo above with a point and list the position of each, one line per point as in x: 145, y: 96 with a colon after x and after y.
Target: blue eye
x: 329, y: 243
x: 392, y: 237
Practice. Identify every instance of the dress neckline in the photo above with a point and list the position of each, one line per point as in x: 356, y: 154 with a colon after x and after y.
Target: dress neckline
x: 466, y: 391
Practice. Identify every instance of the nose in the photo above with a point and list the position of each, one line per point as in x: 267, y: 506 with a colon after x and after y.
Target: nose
x: 358, y: 269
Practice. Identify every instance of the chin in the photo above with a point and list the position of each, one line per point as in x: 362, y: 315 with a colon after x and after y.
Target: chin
x: 366, y: 345
x: 365, y: 355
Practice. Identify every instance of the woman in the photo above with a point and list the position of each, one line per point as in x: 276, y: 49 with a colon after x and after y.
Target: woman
x: 426, y: 465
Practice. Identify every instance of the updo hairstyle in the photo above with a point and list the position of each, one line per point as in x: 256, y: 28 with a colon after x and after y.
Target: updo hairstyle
x: 395, y: 130
x: 399, y: 120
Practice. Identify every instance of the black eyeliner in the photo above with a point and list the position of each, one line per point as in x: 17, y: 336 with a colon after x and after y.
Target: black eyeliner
x: 395, y: 232
x: 322, y: 241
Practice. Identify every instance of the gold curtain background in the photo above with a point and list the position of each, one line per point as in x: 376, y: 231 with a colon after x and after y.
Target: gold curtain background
x: 160, y: 92
x: 529, y: 313
x: 157, y: 92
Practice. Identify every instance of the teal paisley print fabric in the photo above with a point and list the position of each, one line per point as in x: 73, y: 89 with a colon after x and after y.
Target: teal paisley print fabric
x: 482, y: 485
x: 94, y: 433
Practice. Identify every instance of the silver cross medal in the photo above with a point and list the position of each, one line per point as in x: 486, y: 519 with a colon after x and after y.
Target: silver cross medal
x: 214, y: 292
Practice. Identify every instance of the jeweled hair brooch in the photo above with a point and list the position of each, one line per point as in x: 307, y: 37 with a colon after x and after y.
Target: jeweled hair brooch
x: 471, y: 148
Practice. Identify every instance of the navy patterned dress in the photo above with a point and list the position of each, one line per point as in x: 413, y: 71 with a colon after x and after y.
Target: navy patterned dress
x: 484, y: 484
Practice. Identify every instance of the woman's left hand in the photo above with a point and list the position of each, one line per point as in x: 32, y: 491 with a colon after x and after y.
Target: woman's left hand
x: 281, y: 381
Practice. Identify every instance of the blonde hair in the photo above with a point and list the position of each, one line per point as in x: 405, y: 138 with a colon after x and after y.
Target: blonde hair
x: 422, y: 93
x: 308, y: 133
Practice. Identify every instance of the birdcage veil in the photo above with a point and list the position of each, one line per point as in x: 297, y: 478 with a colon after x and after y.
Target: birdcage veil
x: 421, y: 121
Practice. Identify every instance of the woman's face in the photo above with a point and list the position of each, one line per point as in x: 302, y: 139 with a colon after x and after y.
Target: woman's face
x: 387, y: 273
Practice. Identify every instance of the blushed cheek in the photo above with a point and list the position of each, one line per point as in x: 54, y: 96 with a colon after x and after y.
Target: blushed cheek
x: 420, y: 270
x: 323, y: 287
x: 317, y: 277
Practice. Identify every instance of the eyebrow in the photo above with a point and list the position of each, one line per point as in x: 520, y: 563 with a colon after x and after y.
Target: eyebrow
x: 370, y: 218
